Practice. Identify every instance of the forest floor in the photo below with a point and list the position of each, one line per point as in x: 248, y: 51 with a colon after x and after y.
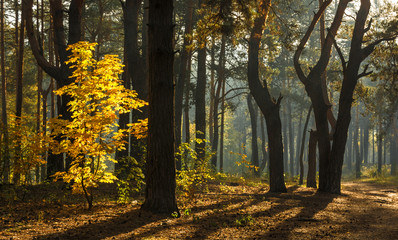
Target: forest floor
x: 228, y: 210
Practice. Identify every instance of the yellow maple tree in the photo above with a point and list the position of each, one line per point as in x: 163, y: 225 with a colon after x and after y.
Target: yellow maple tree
x: 92, y: 136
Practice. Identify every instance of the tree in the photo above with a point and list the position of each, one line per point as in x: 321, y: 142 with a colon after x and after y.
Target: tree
x: 268, y: 106
x: 89, y: 137
x: 200, y: 95
x: 331, y: 157
x: 351, y: 75
x: 161, y: 171
x: 20, y: 40
x: 182, y: 77
x: 253, y: 120
x: 134, y: 74
x: 6, y: 153
x: 314, y: 83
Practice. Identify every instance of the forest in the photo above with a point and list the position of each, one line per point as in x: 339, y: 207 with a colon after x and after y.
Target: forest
x: 199, y: 119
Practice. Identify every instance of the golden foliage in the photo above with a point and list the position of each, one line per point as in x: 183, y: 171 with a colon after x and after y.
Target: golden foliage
x: 91, y: 136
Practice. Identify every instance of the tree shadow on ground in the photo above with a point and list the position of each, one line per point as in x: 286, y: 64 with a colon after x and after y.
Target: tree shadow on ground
x: 126, y: 224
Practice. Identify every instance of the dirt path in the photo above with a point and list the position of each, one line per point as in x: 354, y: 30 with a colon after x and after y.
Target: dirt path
x: 363, y: 211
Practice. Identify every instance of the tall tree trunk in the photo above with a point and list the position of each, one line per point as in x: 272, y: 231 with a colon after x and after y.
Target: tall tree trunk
x: 133, y: 77
x: 253, y: 120
x: 212, y: 91
x: 222, y: 122
x: 357, y: 150
x: 179, y: 92
x: 268, y: 106
x: 301, y: 180
x: 394, y: 148
x: 19, y: 94
x: 186, y: 102
x: 379, y: 149
x: 298, y: 138
x: 348, y: 160
x: 285, y: 141
x: 384, y: 151
x: 217, y: 98
x: 291, y: 136
x: 373, y: 146
x: 160, y: 175
x: 311, y: 175
x: 5, y: 149
x: 366, y: 142
x: 200, y: 95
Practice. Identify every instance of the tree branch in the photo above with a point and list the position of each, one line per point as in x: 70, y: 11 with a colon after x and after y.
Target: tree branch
x: 340, y: 53
x: 366, y: 51
x: 364, y: 73
x: 51, y: 70
x: 304, y: 41
x: 369, y: 25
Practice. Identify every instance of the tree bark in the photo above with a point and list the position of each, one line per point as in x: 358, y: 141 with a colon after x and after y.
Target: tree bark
x: 160, y: 174
x: 268, y: 106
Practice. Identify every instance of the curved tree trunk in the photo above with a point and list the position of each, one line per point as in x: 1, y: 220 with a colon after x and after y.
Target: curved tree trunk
x: 268, y: 106
x: 55, y: 162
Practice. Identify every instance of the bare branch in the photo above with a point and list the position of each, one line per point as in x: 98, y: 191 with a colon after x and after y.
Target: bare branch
x: 340, y: 53
x: 369, y: 25
x: 364, y: 72
x: 236, y: 95
x: 370, y: 48
x: 34, y: 44
x: 233, y: 89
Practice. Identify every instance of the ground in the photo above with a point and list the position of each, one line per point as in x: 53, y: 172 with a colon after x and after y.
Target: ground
x: 230, y: 210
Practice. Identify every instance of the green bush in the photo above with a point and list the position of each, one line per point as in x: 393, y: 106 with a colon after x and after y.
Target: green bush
x: 130, y: 179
